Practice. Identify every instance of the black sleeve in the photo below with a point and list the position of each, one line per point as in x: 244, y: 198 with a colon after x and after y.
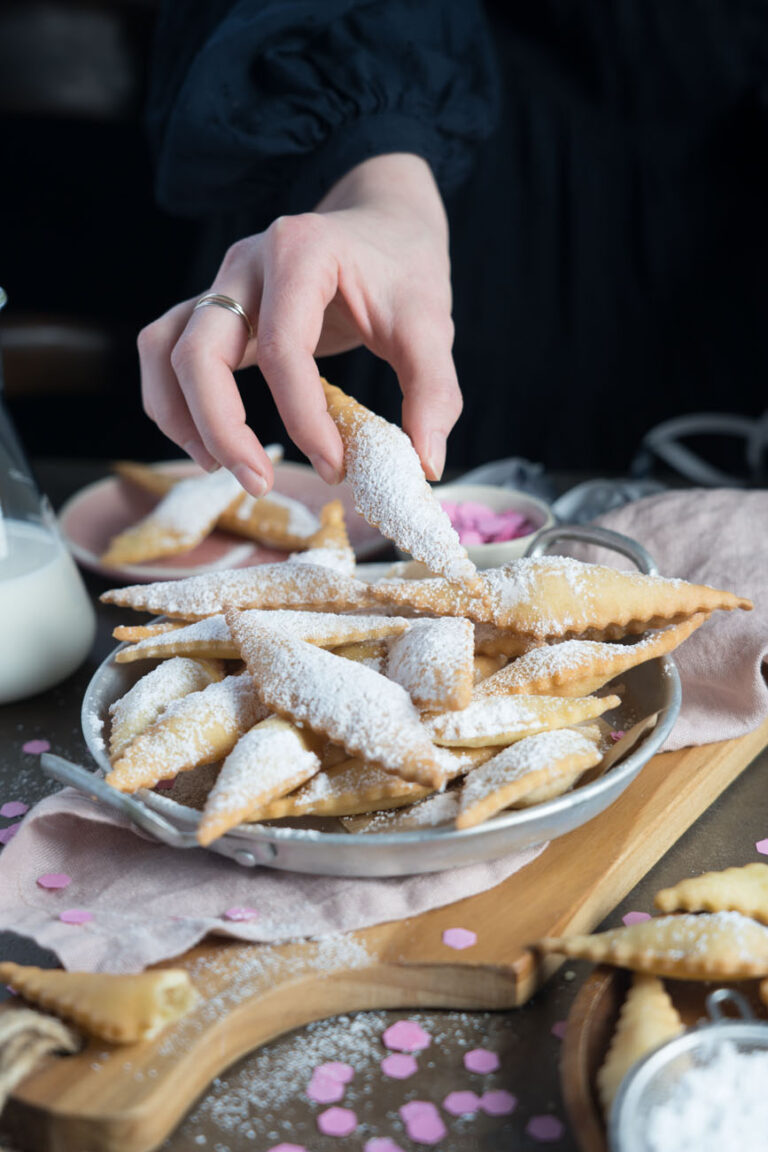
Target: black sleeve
x: 263, y: 104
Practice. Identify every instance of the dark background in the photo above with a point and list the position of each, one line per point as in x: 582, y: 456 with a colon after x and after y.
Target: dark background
x: 636, y: 292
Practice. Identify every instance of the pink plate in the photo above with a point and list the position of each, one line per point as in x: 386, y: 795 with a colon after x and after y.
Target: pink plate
x: 95, y: 514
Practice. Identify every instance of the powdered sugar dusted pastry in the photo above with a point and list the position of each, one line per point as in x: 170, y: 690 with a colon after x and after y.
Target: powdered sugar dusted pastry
x: 435, y: 811
x: 372, y: 653
x: 742, y: 890
x: 505, y: 719
x: 202, y: 727
x: 579, y: 667
x: 353, y: 786
x: 434, y: 596
x: 528, y: 764
x: 121, y: 1009
x: 351, y: 704
x: 648, y: 1018
x: 330, y: 546
x: 210, y: 636
x: 284, y: 585
x: 433, y: 660
x: 132, y: 633
x: 184, y: 517
x: 485, y: 666
x: 710, y: 946
x: 275, y: 520
x: 273, y: 758
x: 391, y: 491
x: 141, y: 706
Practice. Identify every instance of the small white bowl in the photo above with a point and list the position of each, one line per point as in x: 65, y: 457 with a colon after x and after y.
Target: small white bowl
x: 499, y: 500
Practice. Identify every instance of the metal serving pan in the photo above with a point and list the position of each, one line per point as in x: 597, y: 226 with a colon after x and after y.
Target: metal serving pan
x: 653, y: 687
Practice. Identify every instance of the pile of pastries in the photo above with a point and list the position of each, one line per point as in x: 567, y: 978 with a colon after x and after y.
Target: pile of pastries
x: 397, y: 704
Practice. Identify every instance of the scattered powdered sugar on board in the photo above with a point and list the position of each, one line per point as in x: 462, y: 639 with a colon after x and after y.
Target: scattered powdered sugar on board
x: 718, y: 1104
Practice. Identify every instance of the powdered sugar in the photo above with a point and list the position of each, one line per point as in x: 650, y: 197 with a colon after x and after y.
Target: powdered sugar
x: 493, y: 717
x: 434, y: 662
x: 133, y: 713
x: 191, y: 508
x: 528, y: 757
x: 338, y: 559
x: 298, y: 520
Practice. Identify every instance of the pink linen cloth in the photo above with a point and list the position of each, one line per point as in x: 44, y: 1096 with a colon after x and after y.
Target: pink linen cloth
x: 717, y: 537
x: 150, y: 902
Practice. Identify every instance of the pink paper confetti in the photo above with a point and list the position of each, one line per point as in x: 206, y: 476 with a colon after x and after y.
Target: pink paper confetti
x: 336, y: 1070
x: 8, y: 833
x: 498, y: 1103
x: 423, y: 1122
x: 617, y: 734
x: 545, y: 1128
x: 240, y: 914
x: 461, y: 1103
x: 399, y: 1065
x: 75, y: 916
x: 337, y: 1121
x: 287, y: 1148
x: 35, y: 747
x: 459, y: 938
x: 635, y: 918
x: 54, y: 880
x: 406, y: 1036
x: 324, y: 1089
x: 762, y: 847
x: 381, y: 1144
x: 13, y: 808
x: 480, y: 1060
x: 558, y: 1029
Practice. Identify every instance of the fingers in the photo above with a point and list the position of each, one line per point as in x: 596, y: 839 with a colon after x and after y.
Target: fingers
x: 300, y: 280
x: 162, y: 397
x: 432, y: 400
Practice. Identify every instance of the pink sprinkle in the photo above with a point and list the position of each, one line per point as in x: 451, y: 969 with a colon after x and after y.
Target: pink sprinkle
x: 54, y: 880
x: 240, y: 914
x: 8, y: 833
x: 399, y: 1065
x: 545, y: 1128
x: 480, y: 1060
x: 324, y: 1089
x: 635, y: 918
x: 423, y: 1122
x: 762, y: 847
x: 459, y: 938
x: 75, y: 916
x: 10, y: 990
x: 381, y: 1144
x: 35, y: 747
x: 287, y: 1148
x: 461, y: 1103
x: 13, y: 808
x: 337, y: 1122
x: 617, y: 734
x: 336, y: 1070
x: 498, y: 1103
x: 558, y: 1029
x: 406, y: 1036
x: 470, y: 536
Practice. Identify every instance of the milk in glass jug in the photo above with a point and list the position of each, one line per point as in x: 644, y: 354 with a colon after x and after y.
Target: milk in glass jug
x: 47, y: 622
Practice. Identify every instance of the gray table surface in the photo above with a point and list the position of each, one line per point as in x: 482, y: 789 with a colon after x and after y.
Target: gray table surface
x: 259, y: 1102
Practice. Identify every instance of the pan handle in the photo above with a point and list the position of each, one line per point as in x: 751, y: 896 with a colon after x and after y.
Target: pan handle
x: 91, y: 785
x: 589, y: 534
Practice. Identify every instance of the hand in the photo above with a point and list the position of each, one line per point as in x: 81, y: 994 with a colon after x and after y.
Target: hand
x: 370, y: 266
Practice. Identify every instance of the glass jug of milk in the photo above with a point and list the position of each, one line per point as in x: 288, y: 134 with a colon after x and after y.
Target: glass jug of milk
x: 47, y: 622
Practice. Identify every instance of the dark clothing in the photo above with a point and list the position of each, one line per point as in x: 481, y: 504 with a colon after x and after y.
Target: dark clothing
x: 609, y: 233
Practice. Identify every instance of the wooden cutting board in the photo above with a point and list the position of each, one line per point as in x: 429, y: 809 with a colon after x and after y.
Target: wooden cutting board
x: 128, y: 1099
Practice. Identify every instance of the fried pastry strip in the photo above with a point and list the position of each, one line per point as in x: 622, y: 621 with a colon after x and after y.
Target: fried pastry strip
x: 145, y: 702
x: 132, y: 633
x: 709, y: 946
x: 120, y: 1009
x: 274, y: 520
x: 210, y: 636
x: 345, y: 701
x: 505, y: 719
x: 273, y: 758
x: 553, y: 597
x: 330, y: 546
x: 433, y: 660
x: 184, y: 517
x: 198, y: 729
x: 530, y: 763
x: 434, y: 811
x: 648, y: 1018
x: 580, y: 667
x: 283, y: 585
x: 742, y: 890
x: 391, y: 491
